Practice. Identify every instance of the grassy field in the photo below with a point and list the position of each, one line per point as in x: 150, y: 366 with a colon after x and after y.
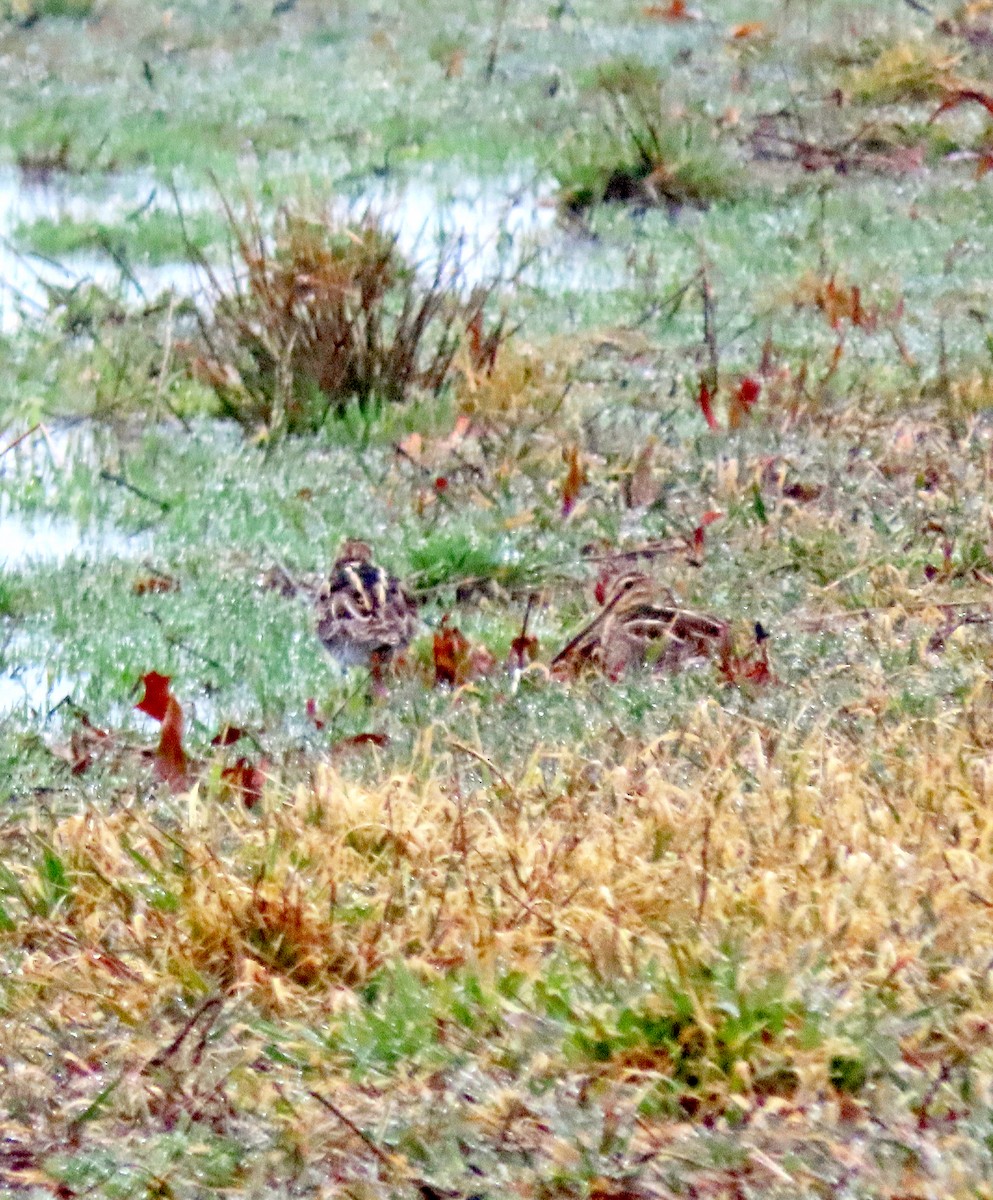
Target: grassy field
x: 722, y: 931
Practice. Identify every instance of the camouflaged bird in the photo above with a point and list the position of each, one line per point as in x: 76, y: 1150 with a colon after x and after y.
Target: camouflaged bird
x: 640, y: 622
x: 364, y: 616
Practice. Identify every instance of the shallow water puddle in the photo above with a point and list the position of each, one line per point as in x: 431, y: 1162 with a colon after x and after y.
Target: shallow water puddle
x: 500, y: 223
x: 31, y: 689
x: 26, y: 279
x: 40, y: 538
x: 496, y: 223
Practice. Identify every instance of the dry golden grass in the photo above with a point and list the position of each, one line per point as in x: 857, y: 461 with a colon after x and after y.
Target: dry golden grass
x: 875, y: 865
x: 851, y: 876
x: 523, y: 382
x: 906, y: 71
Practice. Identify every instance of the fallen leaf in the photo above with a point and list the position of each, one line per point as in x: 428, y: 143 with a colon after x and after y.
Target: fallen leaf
x: 751, y: 668
x: 451, y: 655
x: 161, y: 705
x: 573, y: 483
x: 481, y: 661
x: 361, y: 739
x: 705, y: 400
x: 456, y: 659
x: 170, y: 757
x: 154, y: 585
x: 803, y: 493
x: 227, y: 735
x: 748, y: 29
x: 699, y: 535
x: 523, y: 650
x: 86, y: 743
x: 675, y: 11
x: 156, y: 698
x: 743, y: 399
x: 749, y: 391
x: 246, y: 779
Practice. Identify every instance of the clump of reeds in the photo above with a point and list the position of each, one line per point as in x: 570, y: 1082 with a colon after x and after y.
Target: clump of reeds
x: 326, y: 310
x: 645, y: 152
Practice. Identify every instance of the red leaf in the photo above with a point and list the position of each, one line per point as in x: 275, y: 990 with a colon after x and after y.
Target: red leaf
x: 361, y: 739
x: 744, y: 396
x: 708, y: 518
x: 451, y: 655
x: 227, y: 736
x: 705, y: 400
x: 247, y: 779
x: 965, y: 96
x: 859, y: 315
x: 749, y: 391
x: 456, y: 659
x: 170, y: 757
x: 675, y: 10
x: 155, y: 701
x: 312, y: 714
x: 748, y: 30
x: 474, y: 334
x: 523, y: 650
x: 573, y: 483
x: 750, y: 668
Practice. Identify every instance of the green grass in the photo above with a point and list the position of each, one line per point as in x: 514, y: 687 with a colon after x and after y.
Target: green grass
x: 151, y: 238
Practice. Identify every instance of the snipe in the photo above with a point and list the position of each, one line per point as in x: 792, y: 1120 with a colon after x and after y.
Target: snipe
x: 364, y: 616
x: 640, y: 622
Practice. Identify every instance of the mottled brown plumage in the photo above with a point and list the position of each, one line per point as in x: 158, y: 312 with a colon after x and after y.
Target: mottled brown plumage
x: 364, y: 616
x: 640, y: 622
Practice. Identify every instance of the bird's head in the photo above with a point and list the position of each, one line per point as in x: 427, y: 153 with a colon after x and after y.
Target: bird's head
x: 631, y: 588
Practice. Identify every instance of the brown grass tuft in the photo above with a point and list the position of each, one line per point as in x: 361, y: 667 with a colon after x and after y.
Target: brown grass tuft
x: 327, y: 310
